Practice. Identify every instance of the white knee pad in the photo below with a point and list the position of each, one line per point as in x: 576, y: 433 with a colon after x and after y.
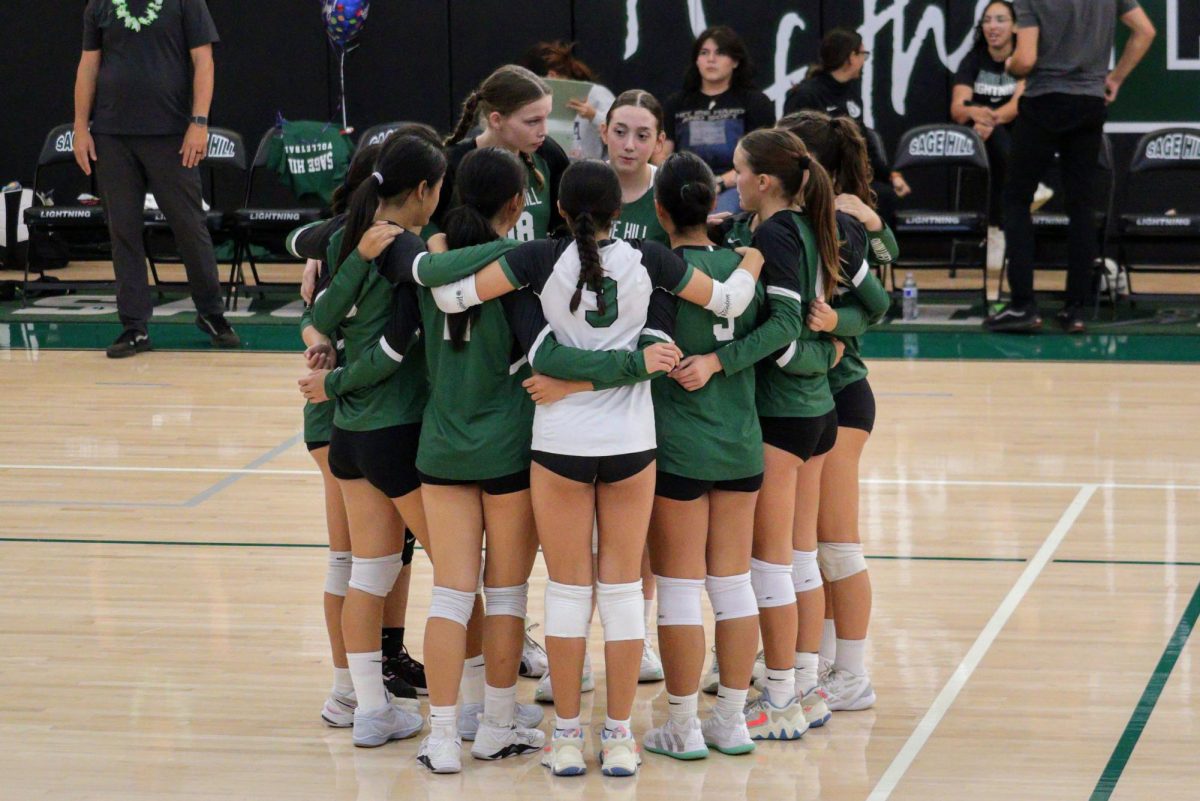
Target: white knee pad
x: 731, y: 596
x: 772, y: 584
x: 375, y: 576
x: 679, y: 601
x: 621, y: 611
x: 509, y: 601
x: 337, y: 574
x: 454, y: 605
x: 805, y: 573
x: 568, y: 610
x: 840, y: 560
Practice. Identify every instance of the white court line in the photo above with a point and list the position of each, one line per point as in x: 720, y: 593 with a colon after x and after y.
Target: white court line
x: 97, y: 468
x: 916, y: 741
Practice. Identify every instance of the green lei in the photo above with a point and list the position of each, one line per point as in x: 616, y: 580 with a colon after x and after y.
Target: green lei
x: 133, y: 23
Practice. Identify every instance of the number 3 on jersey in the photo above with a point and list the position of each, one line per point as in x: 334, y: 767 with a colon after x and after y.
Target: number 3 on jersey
x: 523, y: 230
x: 723, y: 331
x: 608, y: 290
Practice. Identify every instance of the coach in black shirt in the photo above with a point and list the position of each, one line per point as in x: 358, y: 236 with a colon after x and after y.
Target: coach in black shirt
x: 145, y: 82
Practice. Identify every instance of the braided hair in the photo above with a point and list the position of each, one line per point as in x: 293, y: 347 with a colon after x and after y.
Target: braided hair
x: 590, y: 196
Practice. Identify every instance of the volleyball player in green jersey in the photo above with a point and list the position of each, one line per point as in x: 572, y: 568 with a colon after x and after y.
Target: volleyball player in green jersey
x: 796, y: 410
x: 513, y: 105
x: 838, y: 143
x: 633, y: 134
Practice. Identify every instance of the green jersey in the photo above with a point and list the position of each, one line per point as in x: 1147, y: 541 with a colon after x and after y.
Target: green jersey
x: 544, y: 169
x: 358, y: 302
x: 318, y: 417
x: 638, y: 220
x: 711, y: 434
x: 861, y: 300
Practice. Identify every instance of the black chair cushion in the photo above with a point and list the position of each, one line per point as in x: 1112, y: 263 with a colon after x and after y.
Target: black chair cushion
x: 276, y: 218
x: 1044, y: 221
x: 65, y: 216
x: 916, y: 221
x: 1160, y: 224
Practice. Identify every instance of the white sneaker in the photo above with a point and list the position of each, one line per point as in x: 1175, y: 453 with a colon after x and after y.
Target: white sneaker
x: 375, y: 728
x: 765, y: 721
x: 619, y: 753
x: 727, y: 735
x: 816, y: 710
x: 470, y: 717
x: 845, y: 692
x: 652, y: 669
x: 441, y: 754
x: 679, y: 742
x: 544, y: 694
x: 338, y: 711
x: 713, y: 678
x: 1041, y: 197
x: 534, y: 662
x: 824, y: 666
x: 758, y: 679
x: 497, y: 742
x: 564, y: 753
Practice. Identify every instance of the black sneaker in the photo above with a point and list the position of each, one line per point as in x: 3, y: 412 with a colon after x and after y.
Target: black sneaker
x: 397, y: 686
x: 130, y: 343
x: 409, y: 670
x: 223, y: 335
x: 1014, y: 318
x: 1071, y: 320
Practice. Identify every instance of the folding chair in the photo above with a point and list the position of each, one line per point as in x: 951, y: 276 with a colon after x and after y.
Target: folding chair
x: 377, y: 134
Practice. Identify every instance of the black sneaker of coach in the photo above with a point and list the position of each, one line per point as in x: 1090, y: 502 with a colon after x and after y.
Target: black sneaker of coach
x: 1071, y: 320
x: 215, y: 325
x: 1014, y: 319
x: 130, y: 343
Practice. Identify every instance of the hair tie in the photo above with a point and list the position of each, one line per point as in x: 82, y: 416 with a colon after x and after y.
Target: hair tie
x: 805, y: 162
x: 378, y: 177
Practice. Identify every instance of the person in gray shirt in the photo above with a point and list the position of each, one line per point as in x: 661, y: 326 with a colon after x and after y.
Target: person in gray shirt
x: 1063, y: 50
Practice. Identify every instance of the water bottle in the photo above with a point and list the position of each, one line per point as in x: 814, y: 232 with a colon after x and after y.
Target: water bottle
x: 911, y: 310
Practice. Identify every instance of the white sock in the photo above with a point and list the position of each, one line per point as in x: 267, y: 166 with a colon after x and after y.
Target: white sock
x: 682, y: 708
x: 781, y: 686
x: 567, y: 724
x: 443, y: 721
x: 828, y: 642
x: 499, y: 705
x: 850, y: 654
x: 342, y: 683
x: 473, y: 680
x: 806, y: 673
x: 366, y: 671
x: 730, y: 703
x: 647, y: 608
x: 612, y: 725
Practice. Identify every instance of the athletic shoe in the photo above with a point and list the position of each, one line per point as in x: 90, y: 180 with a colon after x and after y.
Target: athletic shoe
x: 534, y: 662
x: 652, y: 669
x: 766, y: 721
x: 470, y: 718
x: 219, y: 330
x: 441, y: 754
x: 727, y: 735
x: 824, y: 666
x: 398, y: 687
x: 497, y: 742
x: 338, y: 711
x: 408, y: 669
x: 373, y: 729
x: 758, y: 678
x: 816, y: 712
x: 564, y: 753
x: 619, y: 753
x: 1041, y: 197
x: 680, y: 742
x: 712, y: 679
x: 1013, y: 319
x: 544, y: 694
x: 1071, y: 320
x: 845, y: 692
x: 130, y: 343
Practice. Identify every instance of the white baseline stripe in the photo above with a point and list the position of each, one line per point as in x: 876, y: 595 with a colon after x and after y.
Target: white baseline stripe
x: 908, y: 752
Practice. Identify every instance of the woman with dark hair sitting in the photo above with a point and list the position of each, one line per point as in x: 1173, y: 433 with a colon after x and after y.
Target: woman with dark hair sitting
x: 719, y: 104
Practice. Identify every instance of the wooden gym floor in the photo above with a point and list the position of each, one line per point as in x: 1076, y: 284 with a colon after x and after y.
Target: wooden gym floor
x: 1033, y: 528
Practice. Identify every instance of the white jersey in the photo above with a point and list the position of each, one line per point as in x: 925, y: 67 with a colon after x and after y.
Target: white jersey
x: 613, y: 421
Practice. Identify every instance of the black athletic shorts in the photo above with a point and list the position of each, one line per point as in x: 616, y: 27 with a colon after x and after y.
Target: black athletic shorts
x: 592, y: 469
x: 856, y: 406
x: 680, y: 488
x: 387, y: 457
x: 502, y: 485
x: 805, y: 437
x: 316, y: 446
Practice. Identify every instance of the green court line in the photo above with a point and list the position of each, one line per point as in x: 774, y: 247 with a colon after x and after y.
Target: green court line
x: 950, y: 558
x: 1125, y: 562
x: 1145, y: 706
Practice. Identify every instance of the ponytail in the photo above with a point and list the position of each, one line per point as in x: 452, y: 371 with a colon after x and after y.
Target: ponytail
x: 591, y: 270
x: 817, y: 201
x: 360, y: 215
x: 464, y: 226
x: 590, y: 196
x: 838, y: 143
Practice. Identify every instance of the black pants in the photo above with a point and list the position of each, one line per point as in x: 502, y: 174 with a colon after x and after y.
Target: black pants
x: 999, y: 150
x: 1072, y: 126
x: 126, y: 168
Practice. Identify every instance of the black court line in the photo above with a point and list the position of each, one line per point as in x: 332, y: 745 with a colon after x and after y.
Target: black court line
x: 1145, y: 705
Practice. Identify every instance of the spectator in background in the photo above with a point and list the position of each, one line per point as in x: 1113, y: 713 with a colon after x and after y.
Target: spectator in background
x: 985, y: 96
x: 719, y: 105
x: 1063, y: 51
x: 557, y: 60
x: 832, y: 86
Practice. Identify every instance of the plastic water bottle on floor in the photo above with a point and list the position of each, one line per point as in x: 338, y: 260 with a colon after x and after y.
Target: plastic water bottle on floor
x: 911, y: 310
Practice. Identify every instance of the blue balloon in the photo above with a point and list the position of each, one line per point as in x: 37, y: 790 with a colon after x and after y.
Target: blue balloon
x: 344, y: 20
